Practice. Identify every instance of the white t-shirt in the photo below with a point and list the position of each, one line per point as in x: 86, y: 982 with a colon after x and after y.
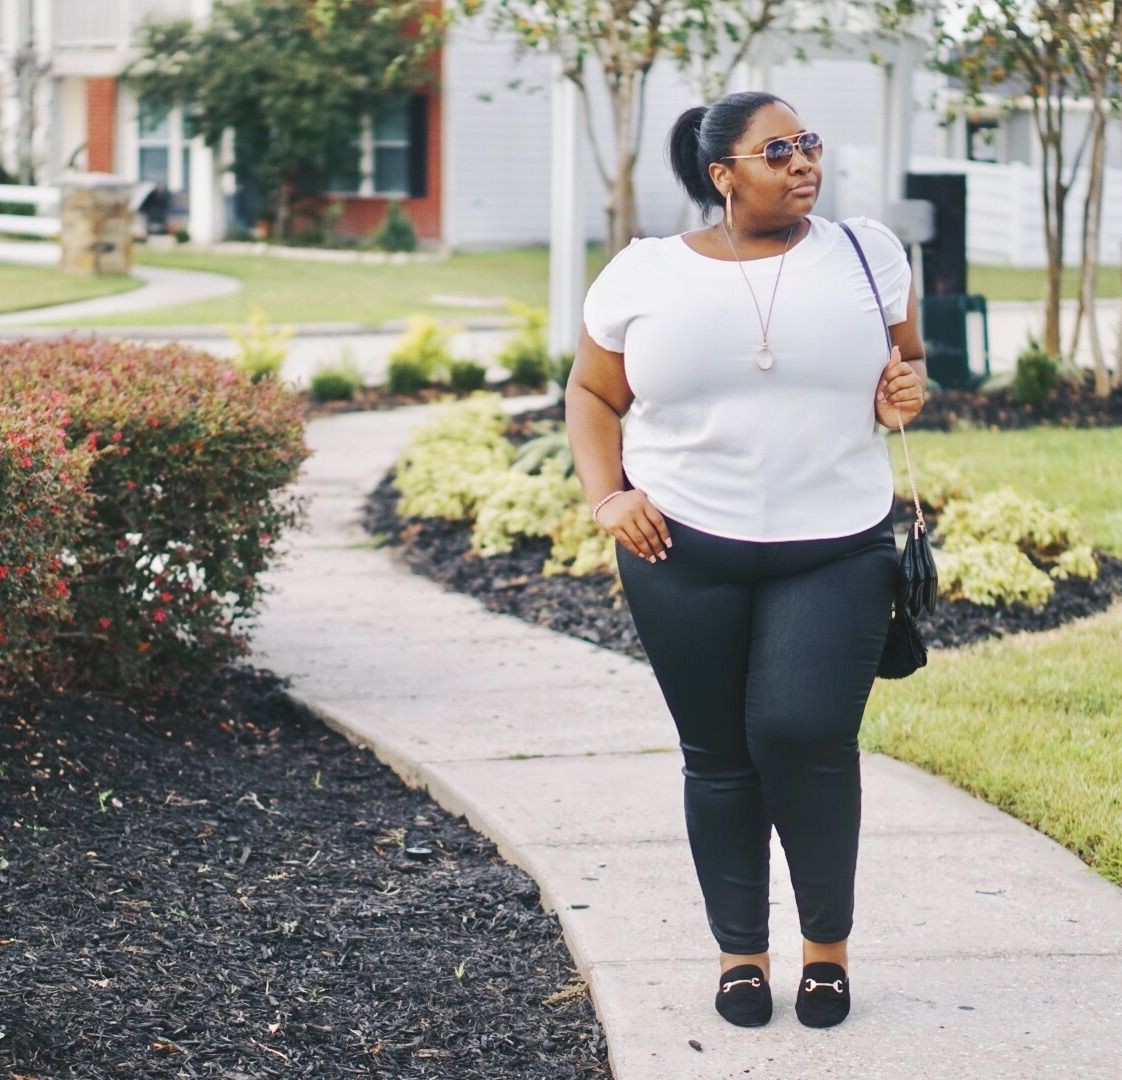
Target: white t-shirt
x: 791, y: 453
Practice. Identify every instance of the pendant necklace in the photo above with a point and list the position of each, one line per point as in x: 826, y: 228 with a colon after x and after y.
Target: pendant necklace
x: 764, y: 359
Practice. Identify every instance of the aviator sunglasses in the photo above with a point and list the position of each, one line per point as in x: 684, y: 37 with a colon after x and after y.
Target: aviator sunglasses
x: 778, y: 153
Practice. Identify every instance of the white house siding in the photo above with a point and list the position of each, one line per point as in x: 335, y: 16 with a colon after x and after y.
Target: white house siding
x: 496, y: 137
x: 70, y: 138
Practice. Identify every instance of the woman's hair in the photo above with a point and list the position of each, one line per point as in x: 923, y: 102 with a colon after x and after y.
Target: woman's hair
x: 703, y: 135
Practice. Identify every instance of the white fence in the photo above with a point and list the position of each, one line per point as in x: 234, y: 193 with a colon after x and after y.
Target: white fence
x: 44, y: 223
x: 1005, y: 213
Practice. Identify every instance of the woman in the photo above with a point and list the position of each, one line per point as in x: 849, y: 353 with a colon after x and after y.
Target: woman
x: 750, y: 497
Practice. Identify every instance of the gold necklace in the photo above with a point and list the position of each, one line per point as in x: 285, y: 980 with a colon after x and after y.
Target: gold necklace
x: 764, y: 358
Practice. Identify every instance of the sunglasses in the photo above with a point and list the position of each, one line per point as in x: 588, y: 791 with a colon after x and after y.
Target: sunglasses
x: 778, y: 153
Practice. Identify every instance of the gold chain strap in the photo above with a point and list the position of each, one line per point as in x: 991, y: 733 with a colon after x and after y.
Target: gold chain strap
x: 920, y: 523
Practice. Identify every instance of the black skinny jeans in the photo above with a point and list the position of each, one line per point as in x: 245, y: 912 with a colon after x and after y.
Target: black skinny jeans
x: 766, y: 653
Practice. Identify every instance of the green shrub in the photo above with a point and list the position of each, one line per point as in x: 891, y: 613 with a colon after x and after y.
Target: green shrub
x: 406, y: 377
x: 44, y: 504
x: 260, y: 351
x: 466, y: 376
x: 530, y: 371
x: 453, y: 462
x: 460, y: 467
x: 336, y: 382
x: 190, y: 495
x: 526, y: 355
x: 396, y: 233
x: 990, y: 571
x: 1007, y: 516
x: 553, y: 446
x: 424, y: 346
x: 1036, y: 375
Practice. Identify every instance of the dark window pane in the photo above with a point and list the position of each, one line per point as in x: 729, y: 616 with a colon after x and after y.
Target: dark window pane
x: 154, y: 164
x: 391, y: 120
x: 155, y: 121
x: 186, y: 168
x: 391, y: 170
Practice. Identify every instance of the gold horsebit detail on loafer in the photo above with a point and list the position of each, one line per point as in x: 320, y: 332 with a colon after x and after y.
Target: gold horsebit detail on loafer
x: 836, y: 985
x: 754, y: 981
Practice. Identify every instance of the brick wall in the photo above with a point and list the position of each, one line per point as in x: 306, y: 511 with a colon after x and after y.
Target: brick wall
x: 101, y: 122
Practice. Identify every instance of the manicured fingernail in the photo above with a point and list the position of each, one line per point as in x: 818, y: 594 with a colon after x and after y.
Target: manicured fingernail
x: 880, y: 397
x: 662, y: 554
x: 651, y: 559
x: 667, y: 541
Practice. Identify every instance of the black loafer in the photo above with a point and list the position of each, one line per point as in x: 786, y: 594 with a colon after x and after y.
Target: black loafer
x: 744, y: 997
x: 823, y: 998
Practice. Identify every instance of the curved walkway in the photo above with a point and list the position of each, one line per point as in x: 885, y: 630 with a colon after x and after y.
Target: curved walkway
x: 982, y: 948
x: 161, y: 288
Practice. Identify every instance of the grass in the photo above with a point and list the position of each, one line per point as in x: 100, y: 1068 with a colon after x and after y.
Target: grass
x: 23, y: 287
x: 293, y: 291
x: 1061, y: 466
x: 296, y: 291
x: 1011, y: 283
x: 1032, y: 724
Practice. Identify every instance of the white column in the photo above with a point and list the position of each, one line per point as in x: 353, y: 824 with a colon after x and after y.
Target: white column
x: 897, y: 122
x: 566, y: 230
x: 12, y: 35
x: 207, y: 212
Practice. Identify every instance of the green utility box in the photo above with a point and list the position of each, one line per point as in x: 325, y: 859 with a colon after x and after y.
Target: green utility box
x: 957, y: 337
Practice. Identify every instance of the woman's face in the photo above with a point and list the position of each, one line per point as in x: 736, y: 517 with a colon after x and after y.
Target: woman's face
x: 763, y: 197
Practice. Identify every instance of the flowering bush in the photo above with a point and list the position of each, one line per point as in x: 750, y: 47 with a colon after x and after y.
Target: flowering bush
x: 43, y: 507
x: 186, y: 486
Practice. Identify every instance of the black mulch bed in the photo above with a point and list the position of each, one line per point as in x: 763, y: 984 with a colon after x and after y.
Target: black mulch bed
x: 219, y: 886
x: 585, y: 608
x: 1069, y: 405
x: 379, y: 398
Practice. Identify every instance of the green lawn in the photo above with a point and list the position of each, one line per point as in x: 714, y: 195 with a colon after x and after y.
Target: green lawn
x: 294, y: 291
x: 1032, y: 724
x: 1007, y: 283
x: 297, y: 291
x: 1063, y: 467
x: 23, y: 287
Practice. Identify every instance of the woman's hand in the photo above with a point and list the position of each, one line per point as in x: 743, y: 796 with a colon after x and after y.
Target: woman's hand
x: 900, y: 390
x: 636, y: 524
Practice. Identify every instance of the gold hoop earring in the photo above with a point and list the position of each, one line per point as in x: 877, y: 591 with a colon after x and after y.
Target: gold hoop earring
x: 728, y: 210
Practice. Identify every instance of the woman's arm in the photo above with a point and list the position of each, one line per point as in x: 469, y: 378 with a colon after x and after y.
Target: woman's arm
x: 596, y: 397
x: 901, y: 387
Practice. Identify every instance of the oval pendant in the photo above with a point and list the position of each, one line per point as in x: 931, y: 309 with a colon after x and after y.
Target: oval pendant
x: 764, y: 359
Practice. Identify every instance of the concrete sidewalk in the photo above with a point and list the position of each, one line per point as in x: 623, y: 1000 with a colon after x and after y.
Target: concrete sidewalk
x: 981, y: 948
x: 161, y: 288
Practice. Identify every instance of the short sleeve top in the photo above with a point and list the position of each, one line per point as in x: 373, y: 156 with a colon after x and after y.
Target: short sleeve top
x: 790, y: 453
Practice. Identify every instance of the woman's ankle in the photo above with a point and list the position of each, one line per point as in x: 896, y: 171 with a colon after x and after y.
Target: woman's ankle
x: 761, y: 960
x: 835, y: 952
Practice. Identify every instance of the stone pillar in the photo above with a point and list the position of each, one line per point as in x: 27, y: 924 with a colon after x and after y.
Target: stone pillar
x: 96, y: 225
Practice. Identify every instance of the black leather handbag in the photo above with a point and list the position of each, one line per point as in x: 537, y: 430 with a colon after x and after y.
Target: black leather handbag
x: 917, y: 580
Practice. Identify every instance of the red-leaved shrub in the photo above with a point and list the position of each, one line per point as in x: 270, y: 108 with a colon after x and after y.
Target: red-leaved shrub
x: 190, y: 462
x: 43, y: 506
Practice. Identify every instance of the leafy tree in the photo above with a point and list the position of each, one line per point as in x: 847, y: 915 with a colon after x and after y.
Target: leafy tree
x: 1053, y: 51
x: 625, y: 38
x: 290, y: 78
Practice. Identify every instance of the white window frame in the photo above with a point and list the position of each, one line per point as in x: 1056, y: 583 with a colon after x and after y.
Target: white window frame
x: 175, y: 143
x: 367, y: 145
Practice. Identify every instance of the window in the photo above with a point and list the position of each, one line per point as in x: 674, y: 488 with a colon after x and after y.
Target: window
x: 164, y: 156
x: 982, y: 138
x: 387, y: 154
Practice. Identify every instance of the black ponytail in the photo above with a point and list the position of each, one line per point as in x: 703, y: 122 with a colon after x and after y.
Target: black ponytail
x: 703, y: 135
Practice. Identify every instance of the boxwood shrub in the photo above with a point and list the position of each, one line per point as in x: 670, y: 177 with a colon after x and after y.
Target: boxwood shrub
x: 183, y: 505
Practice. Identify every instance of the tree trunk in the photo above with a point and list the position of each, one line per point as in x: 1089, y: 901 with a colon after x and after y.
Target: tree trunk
x: 1092, y: 219
x: 1055, y: 202
x: 621, y: 213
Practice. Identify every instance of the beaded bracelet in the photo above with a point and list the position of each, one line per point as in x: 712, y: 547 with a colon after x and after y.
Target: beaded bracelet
x: 603, y: 501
